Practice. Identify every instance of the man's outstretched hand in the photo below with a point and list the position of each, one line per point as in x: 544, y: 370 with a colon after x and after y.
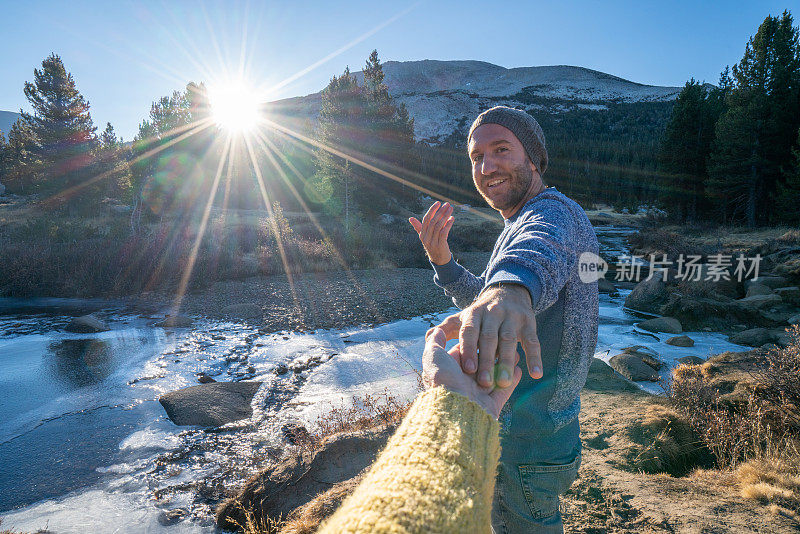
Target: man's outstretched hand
x: 441, y: 368
x: 489, y: 330
x: 433, y: 231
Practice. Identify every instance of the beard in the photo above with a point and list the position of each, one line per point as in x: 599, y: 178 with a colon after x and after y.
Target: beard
x: 518, y: 181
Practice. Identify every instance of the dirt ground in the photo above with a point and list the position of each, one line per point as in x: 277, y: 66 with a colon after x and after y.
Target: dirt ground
x: 609, y: 496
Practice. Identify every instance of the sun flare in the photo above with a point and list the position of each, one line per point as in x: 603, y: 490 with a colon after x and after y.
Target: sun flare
x: 234, y: 107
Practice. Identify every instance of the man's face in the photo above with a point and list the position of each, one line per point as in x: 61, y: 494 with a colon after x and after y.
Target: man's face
x: 501, y: 170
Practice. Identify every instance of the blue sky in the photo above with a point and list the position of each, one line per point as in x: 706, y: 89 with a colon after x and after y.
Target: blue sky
x: 124, y: 55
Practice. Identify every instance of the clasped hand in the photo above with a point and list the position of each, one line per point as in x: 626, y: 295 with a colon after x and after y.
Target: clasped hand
x: 488, y: 332
x: 441, y: 367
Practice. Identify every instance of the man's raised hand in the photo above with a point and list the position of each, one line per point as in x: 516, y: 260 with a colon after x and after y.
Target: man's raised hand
x: 433, y: 231
x: 488, y: 331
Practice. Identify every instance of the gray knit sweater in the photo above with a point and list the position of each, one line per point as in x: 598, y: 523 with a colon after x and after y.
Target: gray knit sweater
x: 539, y: 248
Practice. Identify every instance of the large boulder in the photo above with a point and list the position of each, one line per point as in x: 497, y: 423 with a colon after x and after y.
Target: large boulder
x: 771, y: 281
x: 212, y: 404
x: 669, y: 325
x: 606, y: 286
x: 648, y: 295
x: 758, y: 289
x: 680, y: 341
x: 794, y: 319
x: 647, y: 355
x: 753, y: 337
x: 633, y: 367
x: 695, y: 312
x: 704, y: 282
x: 761, y: 301
x: 277, y: 491
x: 789, y: 294
x: 86, y: 324
x: 781, y: 337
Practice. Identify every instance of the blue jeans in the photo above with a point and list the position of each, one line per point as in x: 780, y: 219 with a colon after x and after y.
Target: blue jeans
x: 526, y: 497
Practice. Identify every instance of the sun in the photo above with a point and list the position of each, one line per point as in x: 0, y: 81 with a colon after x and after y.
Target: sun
x: 234, y: 107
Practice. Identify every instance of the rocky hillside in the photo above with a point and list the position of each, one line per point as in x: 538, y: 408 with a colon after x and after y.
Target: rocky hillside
x: 443, y: 95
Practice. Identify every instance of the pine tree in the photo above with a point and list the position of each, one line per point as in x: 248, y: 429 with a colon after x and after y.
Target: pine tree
x: 111, y: 161
x: 4, y: 160
x: 684, y: 149
x: 108, y: 139
x: 61, y: 125
x: 362, y: 121
x: 170, y: 117
x: 390, y: 142
x: 789, y: 190
x: 21, y: 160
x: 340, y: 127
x: 754, y: 135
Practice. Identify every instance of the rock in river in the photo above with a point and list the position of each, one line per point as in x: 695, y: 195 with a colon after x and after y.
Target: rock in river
x: 789, y: 294
x: 754, y: 337
x: 648, y: 295
x: 632, y: 367
x: 646, y: 354
x: 771, y: 281
x: 669, y: 325
x: 212, y: 404
x: 605, y: 286
x: 86, y: 324
x: 680, y: 341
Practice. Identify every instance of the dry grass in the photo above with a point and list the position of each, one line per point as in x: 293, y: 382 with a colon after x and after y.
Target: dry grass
x: 308, y: 518
x: 774, y: 480
x: 260, y: 525
x: 752, y: 431
x: 670, y: 445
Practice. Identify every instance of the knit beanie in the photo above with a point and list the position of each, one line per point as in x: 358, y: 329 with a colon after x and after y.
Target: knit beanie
x: 522, y: 125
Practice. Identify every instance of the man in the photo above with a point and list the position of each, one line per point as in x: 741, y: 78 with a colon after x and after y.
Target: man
x: 530, y: 293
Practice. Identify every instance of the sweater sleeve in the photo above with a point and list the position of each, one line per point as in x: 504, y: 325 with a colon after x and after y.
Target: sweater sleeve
x: 458, y: 283
x: 436, y: 474
x: 541, y: 254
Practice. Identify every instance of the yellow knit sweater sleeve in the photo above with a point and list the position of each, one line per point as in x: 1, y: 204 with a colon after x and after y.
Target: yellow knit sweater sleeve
x: 436, y: 474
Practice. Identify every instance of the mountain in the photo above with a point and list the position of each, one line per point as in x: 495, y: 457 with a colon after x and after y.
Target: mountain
x: 443, y: 96
x: 7, y: 118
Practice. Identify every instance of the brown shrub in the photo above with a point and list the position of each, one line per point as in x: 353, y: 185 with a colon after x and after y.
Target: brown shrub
x: 749, y: 420
x: 668, y: 443
x: 732, y: 432
x: 779, y: 379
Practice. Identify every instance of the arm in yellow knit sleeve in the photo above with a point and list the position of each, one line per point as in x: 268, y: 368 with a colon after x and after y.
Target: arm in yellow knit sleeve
x: 436, y: 474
